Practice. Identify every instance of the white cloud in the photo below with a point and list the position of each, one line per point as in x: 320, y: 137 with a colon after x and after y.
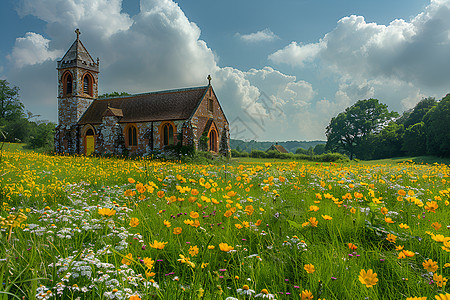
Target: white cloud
x: 295, y: 54
x: 158, y: 48
x: 265, y: 35
x: 400, y: 62
x: 32, y: 49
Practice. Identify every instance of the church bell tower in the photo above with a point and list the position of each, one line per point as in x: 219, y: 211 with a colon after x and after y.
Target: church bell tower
x: 77, y: 89
x: 77, y: 83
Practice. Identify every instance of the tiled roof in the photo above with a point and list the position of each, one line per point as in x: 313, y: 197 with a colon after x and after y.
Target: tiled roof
x: 77, y: 56
x: 157, y: 106
x: 279, y: 148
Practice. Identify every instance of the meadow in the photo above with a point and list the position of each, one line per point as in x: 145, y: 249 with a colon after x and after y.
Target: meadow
x: 75, y: 227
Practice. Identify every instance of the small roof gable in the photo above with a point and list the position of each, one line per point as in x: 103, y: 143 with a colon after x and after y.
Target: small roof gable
x: 111, y: 111
x: 278, y: 148
x: 149, y: 107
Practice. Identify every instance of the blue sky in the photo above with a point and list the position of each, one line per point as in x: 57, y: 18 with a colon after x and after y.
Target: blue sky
x: 281, y: 69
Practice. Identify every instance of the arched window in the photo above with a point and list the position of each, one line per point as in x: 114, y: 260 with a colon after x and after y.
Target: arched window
x: 213, y: 141
x: 132, y: 136
x: 67, y: 83
x: 87, y: 86
x: 168, y: 134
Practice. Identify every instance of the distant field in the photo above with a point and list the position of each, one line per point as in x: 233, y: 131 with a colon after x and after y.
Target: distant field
x: 76, y: 227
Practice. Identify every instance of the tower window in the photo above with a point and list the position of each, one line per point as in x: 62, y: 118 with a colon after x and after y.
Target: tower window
x: 87, y: 85
x: 67, y: 83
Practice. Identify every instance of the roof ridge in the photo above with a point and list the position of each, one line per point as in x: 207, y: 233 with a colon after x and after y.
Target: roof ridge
x: 155, y: 92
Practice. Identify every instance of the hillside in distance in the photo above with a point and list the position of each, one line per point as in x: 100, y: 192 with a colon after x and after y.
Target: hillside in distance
x: 290, y: 146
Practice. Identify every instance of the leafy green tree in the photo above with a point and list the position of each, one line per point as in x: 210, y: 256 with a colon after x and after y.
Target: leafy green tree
x: 10, y: 106
x: 387, y: 143
x: 348, y: 131
x: 113, y: 94
x: 419, y: 111
x: 301, y: 151
x: 415, y: 139
x: 319, y: 149
x: 42, y: 135
x: 437, y: 121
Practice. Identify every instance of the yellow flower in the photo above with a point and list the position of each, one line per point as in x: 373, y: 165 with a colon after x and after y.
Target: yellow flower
x: 134, y: 222
x: 204, y: 265
x: 408, y: 253
x: 107, y: 212
x: 327, y: 217
x: 431, y: 206
x: 249, y: 210
x: 158, y: 245
x: 127, y: 259
x: 224, y: 247
x: 306, y: 295
x: 403, y: 226
x: 369, y: 278
x: 167, y: 223
x: 135, y: 297
x: 416, y: 298
x: 194, y: 215
x: 430, y: 266
x: 442, y: 297
x: 177, y: 230
x: 313, y: 221
x: 148, y: 262
x: 238, y: 226
x: 436, y: 226
x: 440, y: 280
x: 388, y: 220
x: 211, y: 247
x: 391, y: 238
x: 313, y: 208
x: 193, y: 251
x: 309, y: 268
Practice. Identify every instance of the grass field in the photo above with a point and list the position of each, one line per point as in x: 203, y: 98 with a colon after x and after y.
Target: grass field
x: 77, y: 227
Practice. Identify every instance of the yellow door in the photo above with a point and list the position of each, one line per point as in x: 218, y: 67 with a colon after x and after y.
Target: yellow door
x: 90, y: 144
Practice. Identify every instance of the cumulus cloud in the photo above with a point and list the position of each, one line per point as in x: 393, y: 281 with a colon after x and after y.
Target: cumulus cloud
x: 265, y: 35
x: 32, y: 49
x: 158, y: 48
x: 410, y: 57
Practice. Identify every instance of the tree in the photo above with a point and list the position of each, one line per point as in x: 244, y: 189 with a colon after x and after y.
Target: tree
x: 319, y: 149
x: 11, y: 109
x: 419, y: 111
x: 348, y: 130
x: 437, y: 121
x: 415, y: 139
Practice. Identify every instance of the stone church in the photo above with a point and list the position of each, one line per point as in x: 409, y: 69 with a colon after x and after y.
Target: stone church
x: 137, y: 124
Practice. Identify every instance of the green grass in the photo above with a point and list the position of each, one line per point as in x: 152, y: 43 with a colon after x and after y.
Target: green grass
x: 66, y: 245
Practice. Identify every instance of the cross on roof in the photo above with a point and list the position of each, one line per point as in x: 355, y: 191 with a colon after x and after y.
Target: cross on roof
x: 209, y: 79
x: 77, y: 31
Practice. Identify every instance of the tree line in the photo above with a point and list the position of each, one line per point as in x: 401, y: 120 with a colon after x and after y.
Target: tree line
x: 368, y: 130
x: 20, y: 126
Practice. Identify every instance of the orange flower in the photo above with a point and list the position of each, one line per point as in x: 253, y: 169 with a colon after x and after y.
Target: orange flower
x: 431, y: 206
x: 391, y: 238
x: 309, y: 268
x: 402, y: 192
x: 193, y: 251
x: 127, y: 259
x: 107, y: 212
x: 403, y: 226
x: 408, y: 253
x: 306, y: 295
x: 194, y: 215
x: 327, y: 217
x: 134, y: 222
x: 158, y: 245
x: 160, y: 194
x: 440, y: 280
x: 258, y: 222
x: 131, y: 180
x: 430, y: 266
x: 388, y: 220
x: 249, y: 210
x: 352, y: 246
x: 369, y: 278
x: 167, y: 223
x: 177, y: 230
x: 313, y: 221
x: 224, y: 247
x: 436, y: 226
x: 194, y: 192
x: 313, y: 208
x: 135, y: 297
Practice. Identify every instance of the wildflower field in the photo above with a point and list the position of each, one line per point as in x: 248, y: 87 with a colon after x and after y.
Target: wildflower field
x: 77, y: 227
